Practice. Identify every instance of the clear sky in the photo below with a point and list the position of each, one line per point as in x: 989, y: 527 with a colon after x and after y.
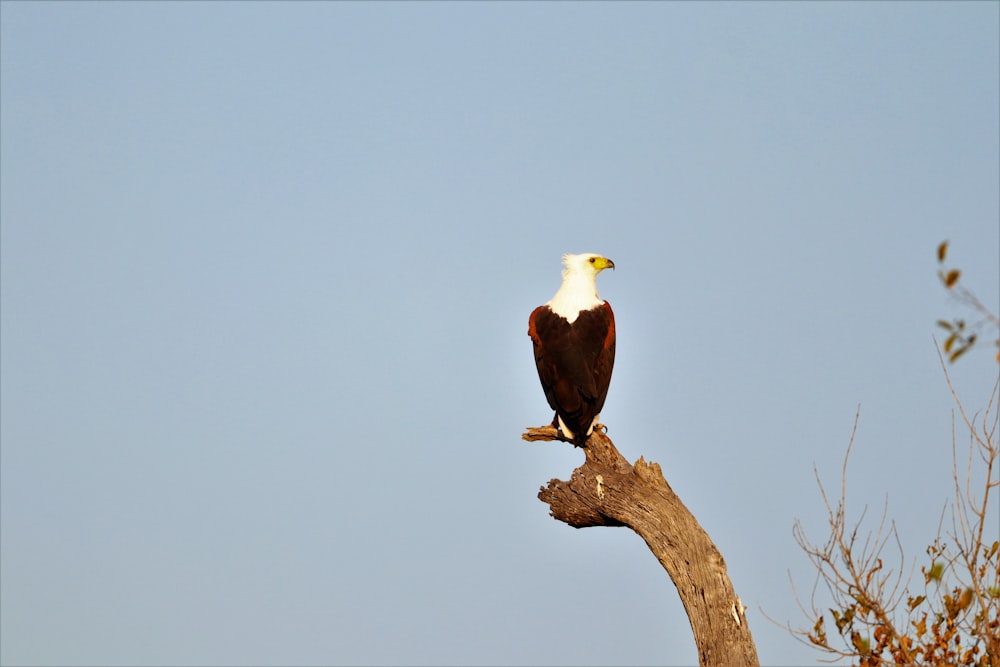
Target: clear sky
x: 266, y: 273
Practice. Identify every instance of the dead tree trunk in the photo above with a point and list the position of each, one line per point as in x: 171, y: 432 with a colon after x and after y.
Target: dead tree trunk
x: 608, y: 491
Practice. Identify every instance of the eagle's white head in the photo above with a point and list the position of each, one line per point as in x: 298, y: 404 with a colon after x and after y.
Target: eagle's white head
x: 578, y: 291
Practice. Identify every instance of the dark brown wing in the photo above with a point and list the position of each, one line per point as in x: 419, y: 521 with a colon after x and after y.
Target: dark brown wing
x: 574, y: 362
x: 596, y: 331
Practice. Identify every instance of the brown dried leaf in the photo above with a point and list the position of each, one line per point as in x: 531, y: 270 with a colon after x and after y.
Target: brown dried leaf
x: 942, y: 250
x: 922, y: 626
x: 966, y: 599
x: 951, y: 278
x: 818, y: 635
x: 957, y: 353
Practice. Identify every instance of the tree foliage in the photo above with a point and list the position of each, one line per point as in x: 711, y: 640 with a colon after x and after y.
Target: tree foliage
x: 961, y: 336
x: 951, y: 615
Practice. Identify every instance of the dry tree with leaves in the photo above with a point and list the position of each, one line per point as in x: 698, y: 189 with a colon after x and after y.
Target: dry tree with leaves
x: 952, y: 616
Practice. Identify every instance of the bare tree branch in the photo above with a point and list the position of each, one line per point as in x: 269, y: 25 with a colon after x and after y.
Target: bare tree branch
x: 609, y: 491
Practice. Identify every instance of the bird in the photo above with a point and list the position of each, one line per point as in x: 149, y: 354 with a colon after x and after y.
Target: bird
x: 573, y: 336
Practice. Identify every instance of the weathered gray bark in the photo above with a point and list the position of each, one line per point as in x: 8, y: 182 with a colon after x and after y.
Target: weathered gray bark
x: 608, y: 491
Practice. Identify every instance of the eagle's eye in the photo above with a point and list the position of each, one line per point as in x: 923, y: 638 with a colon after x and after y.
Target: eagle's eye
x: 593, y: 259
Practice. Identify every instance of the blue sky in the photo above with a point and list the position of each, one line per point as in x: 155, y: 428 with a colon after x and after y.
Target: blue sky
x: 266, y: 272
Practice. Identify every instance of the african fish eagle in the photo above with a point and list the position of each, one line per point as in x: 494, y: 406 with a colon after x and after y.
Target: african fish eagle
x: 574, y: 340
